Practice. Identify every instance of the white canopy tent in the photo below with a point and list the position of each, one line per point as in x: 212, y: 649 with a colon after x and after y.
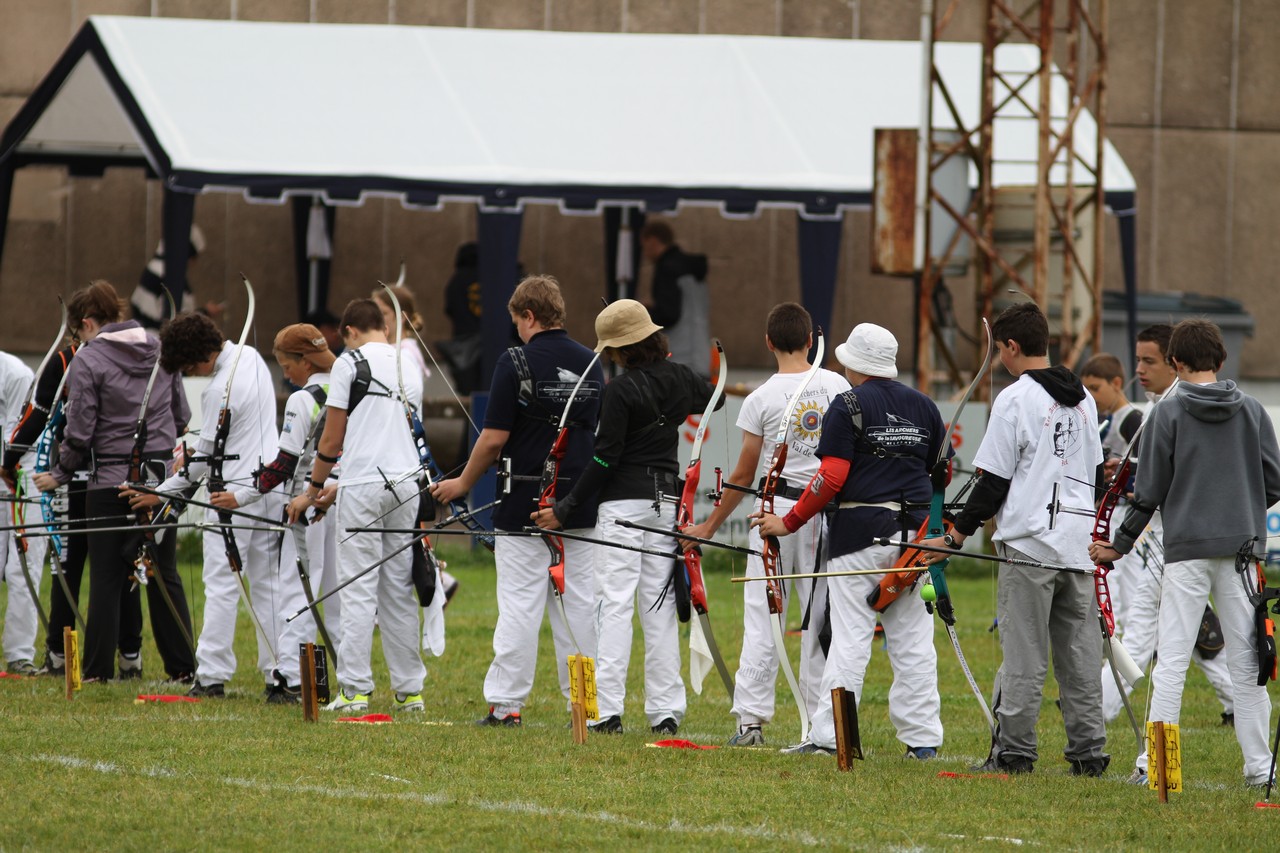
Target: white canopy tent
x: 499, y: 117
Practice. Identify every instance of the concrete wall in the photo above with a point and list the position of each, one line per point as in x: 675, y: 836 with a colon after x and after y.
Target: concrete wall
x: 1191, y: 112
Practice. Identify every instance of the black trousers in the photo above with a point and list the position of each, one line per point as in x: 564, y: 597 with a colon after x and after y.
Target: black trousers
x: 74, y: 551
x: 115, y: 612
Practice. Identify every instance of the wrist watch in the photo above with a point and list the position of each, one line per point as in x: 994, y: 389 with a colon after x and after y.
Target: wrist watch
x: 950, y: 541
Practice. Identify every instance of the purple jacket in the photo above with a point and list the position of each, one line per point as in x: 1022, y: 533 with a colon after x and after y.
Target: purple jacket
x: 105, y: 384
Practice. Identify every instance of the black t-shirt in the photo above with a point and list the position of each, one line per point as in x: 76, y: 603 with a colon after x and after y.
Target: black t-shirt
x: 907, y: 427
x: 555, y: 362
x: 639, y: 432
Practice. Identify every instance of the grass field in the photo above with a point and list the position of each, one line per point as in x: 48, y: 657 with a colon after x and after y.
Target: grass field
x: 101, y: 772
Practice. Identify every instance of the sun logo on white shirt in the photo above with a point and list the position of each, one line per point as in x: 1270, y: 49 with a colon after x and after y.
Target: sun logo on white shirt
x: 807, y: 423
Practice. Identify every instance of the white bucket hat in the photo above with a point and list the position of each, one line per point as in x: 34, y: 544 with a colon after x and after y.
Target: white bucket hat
x: 871, y: 350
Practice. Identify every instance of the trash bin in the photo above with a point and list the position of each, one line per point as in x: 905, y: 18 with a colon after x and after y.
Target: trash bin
x: 1228, y: 314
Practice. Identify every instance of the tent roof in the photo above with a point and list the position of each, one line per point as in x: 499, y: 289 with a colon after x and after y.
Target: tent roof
x: 501, y: 116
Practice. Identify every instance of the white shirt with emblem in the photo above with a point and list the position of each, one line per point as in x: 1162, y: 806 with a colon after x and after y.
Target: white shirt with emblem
x: 1037, y: 444
x: 761, y: 415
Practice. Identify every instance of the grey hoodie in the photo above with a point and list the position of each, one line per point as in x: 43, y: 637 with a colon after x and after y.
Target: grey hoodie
x: 105, y: 385
x: 1208, y: 460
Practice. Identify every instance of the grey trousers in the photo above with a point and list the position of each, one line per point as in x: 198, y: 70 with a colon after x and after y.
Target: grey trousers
x: 1043, y: 611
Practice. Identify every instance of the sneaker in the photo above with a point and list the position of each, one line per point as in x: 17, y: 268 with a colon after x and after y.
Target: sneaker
x: 129, y: 666
x: 281, y: 693
x: 1261, y: 787
x: 511, y: 721
x: 1137, y: 777
x: 54, y: 664
x: 1091, y: 767
x: 22, y: 667
x: 450, y: 588
x: 807, y: 747
x: 357, y: 703
x: 607, y: 726
x: 922, y: 753
x: 1015, y: 765
x: 1229, y: 719
x: 181, y: 678
x: 207, y: 691
x: 413, y: 702
x: 665, y: 726
x: 748, y: 736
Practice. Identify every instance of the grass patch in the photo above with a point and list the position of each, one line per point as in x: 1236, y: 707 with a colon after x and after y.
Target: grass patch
x: 102, y: 772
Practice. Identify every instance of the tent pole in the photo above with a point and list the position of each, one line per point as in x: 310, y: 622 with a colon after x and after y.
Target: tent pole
x: 179, y: 210
x: 6, y: 193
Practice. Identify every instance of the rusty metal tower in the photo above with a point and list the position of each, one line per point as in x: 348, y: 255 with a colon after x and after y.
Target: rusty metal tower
x: 1035, y: 228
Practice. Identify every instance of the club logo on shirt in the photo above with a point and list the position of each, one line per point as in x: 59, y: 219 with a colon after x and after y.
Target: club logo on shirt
x: 1066, y: 432
x: 808, y: 421
x: 897, y: 433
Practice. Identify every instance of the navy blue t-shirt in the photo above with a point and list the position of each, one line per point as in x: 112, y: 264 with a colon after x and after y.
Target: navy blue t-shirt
x: 906, y: 425
x: 555, y: 363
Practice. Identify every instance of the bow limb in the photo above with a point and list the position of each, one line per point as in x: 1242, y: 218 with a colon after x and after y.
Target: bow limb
x: 1117, y: 656
x: 937, y: 525
x: 44, y: 362
x: 48, y: 512
x: 688, y: 569
x: 427, y: 462
x: 769, y: 544
x: 20, y: 544
x: 44, y: 456
x: 425, y: 576
x: 217, y: 479
x: 547, y: 497
x: 300, y: 541
x: 147, y: 560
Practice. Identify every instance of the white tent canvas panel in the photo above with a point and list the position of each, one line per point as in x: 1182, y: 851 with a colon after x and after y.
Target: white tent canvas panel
x: 471, y: 108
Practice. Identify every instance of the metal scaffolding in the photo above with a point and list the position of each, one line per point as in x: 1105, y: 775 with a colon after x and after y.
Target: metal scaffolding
x: 1041, y: 238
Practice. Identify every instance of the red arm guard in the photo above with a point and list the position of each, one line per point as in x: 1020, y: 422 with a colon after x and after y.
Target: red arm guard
x: 824, y: 486
x: 275, y: 473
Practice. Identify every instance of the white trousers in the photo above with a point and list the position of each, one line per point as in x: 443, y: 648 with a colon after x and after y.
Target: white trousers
x: 524, y: 592
x: 755, y: 693
x: 914, y: 705
x: 622, y: 578
x: 1142, y: 568
x: 20, y: 619
x: 316, y: 545
x: 387, y: 592
x: 1186, y: 589
x: 260, y: 561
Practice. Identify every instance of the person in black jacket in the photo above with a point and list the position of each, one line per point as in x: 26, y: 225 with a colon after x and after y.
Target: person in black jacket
x: 681, y: 304
x: 463, y: 306
x: 635, y: 464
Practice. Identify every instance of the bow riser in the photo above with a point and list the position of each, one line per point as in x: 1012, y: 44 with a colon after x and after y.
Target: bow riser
x: 770, y: 546
x: 692, y: 557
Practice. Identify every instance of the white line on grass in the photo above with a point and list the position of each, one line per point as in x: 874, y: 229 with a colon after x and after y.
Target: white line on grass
x: 498, y: 806
x: 1015, y: 841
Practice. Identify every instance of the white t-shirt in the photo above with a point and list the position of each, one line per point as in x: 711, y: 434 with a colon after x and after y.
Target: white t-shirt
x: 15, y: 384
x: 301, y: 412
x: 761, y: 414
x: 252, y: 437
x: 1037, y: 443
x: 377, y: 441
x: 1115, y: 442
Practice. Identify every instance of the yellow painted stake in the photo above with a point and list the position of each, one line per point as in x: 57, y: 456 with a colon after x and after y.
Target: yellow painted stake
x: 582, y: 694
x: 1164, y: 747
x: 71, y: 659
